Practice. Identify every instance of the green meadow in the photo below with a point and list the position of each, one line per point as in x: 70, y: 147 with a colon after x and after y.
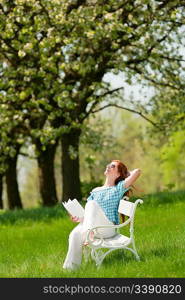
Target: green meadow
x: 34, y: 242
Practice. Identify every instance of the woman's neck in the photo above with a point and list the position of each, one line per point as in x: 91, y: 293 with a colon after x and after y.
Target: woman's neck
x: 109, y: 182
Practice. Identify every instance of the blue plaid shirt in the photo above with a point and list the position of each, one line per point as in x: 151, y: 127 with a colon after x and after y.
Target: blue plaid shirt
x: 108, y: 199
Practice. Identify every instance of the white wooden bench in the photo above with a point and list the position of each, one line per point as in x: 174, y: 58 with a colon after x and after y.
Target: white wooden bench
x: 118, y: 241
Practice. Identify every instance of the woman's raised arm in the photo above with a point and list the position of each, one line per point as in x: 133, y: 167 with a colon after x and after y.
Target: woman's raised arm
x: 132, y: 177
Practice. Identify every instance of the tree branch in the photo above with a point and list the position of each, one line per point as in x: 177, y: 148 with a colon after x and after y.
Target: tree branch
x: 128, y: 109
x: 137, y: 70
x: 109, y: 92
x: 97, y: 100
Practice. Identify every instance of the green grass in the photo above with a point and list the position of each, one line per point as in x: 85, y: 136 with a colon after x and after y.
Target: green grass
x: 33, y: 242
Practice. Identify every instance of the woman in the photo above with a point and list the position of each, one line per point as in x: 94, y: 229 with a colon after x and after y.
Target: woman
x: 101, y: 209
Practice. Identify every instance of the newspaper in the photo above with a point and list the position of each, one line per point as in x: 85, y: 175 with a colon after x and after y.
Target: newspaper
x: 74, y: 208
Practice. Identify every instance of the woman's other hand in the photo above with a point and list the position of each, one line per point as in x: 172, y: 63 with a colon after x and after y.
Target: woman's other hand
x: 76, y: 219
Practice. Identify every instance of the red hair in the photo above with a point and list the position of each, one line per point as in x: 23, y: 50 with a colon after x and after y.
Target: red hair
x: 124, y: 173
x: 122, y: 169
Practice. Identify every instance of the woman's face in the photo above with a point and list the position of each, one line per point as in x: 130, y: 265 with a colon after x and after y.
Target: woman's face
x: 112, y: 170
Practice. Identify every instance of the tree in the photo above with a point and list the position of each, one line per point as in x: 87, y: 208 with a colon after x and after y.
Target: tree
x: 10, y: 143
x: 45, y: 149
x: 64, y: 49
x: 18, y: 95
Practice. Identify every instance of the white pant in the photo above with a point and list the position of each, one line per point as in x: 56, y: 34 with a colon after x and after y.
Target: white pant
x: 93, y: 216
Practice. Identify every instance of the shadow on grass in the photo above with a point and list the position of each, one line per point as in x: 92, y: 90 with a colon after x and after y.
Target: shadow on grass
x: 125, y: 256
x: 40, y: 214
x: 119, y: 256
x: 161, y: 252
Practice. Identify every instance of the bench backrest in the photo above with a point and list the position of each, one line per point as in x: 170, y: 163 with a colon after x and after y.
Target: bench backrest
x: 126, y: 207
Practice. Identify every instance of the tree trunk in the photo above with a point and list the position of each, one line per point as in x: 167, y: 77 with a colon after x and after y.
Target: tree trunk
x: 1, y: 191
x: 47, y: 182
x: 70, y: 165
x: 14, y: 199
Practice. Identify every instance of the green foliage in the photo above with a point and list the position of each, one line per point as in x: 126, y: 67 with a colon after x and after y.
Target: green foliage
x: 168, y: 111
x: 53, y: 60
x: 173, y: 160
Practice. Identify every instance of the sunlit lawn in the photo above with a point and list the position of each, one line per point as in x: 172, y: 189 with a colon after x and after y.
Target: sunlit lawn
x: 33, y: 242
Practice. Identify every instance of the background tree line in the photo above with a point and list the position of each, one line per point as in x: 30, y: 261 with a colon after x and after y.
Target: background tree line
x: 54, y: 56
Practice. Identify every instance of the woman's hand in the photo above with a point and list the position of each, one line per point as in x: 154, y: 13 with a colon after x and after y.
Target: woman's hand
x: 76, y: 219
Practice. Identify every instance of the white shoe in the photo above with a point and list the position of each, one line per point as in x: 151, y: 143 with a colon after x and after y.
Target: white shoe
x: 70, y: 267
